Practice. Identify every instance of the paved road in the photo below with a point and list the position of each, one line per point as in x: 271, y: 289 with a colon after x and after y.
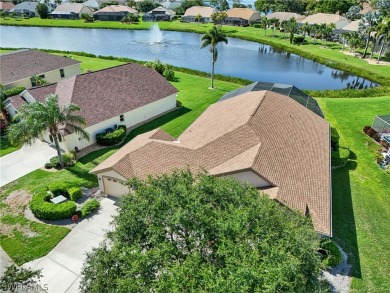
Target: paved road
x: 24, y: 161
x: 62, y: 266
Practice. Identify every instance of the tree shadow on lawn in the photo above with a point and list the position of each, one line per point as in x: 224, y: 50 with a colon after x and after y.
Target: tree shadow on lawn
x: 344, y: 227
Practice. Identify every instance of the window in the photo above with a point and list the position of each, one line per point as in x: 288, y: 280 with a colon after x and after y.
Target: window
x: 62, y: 73
x: 121, y: 118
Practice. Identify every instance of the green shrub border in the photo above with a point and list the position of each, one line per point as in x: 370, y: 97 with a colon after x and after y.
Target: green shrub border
x: 111, y: 138
x: 334, y: 256
x: 89, y: 206
x: 42, y: 208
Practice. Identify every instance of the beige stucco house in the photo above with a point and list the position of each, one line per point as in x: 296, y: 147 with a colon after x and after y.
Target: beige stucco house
x: 18, y: 67
x: 126, y: 95
x: 241, y: 16
x: 71, y: 11
x: 204, y: 11
x: 326, y: 18
x: 260, y: 137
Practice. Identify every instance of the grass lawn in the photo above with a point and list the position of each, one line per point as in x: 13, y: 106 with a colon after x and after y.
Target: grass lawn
x: 361, y: 194
x: 6, y: 147
x: 195, y: 96
x: 329, y: 55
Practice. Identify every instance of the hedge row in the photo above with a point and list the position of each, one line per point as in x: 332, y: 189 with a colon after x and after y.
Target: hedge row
x: 89, y: 206
x: 13, y: 92
x: 112, y: 138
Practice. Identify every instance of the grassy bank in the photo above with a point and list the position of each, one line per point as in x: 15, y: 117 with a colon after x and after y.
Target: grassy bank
x: 6, y: 147
x: 361, y: 197
x: 329, y: 55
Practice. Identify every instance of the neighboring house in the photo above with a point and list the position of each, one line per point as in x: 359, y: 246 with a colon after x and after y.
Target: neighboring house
x: 261, y: 137
x: 96, y: 4
x: 351, y: 27
x: 159, y: 14
x: 285, y: 16
x: 171, y: 4
x: 29, y: 8
x: 6, y: 6
x: 241, y: 16
x: 114, y: 12
x: 325, y: 18
x: 71, y: 11
x: 366, y: 8
x: 128, y: 95
x: 204, y: 11
x: 18, y: 67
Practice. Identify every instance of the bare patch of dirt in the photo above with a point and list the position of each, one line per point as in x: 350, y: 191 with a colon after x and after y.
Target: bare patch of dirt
x: 18, y: 198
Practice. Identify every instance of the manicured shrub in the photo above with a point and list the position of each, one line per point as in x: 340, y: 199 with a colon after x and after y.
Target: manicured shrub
x: 75, y: 193
x: 55, y: 162
x: 330, y: 254
x: 164, y: 69
x: 42, y: 208
x: 298, y: 39
x: 169, y: 74
x: 60, y: 188
x: 179, y: 104
x: 112, y: 138
x: 256, y: 25
x: 48, y: 166
x: 89, y: 206
x: 14, y: 91
x: 69, y: 159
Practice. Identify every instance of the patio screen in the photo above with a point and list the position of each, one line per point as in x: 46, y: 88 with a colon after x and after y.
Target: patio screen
x: 382, y: 124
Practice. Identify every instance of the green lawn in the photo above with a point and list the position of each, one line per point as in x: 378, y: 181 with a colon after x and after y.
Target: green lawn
x: 329, y: 55
x: 6, y: 147
x: 361, y: 194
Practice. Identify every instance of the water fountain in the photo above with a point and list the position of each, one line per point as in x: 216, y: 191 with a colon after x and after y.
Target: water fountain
x: 156, y: 35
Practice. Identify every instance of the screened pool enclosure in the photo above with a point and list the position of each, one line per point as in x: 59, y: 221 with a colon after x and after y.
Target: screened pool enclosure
x: 382, y: 124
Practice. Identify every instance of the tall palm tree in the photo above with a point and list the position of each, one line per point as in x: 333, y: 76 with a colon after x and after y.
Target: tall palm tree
x: 198, y: 18
x: 274, y: 22
x: 366, y: 25
x: 306, y: 29
x: 264, y: 24
x: 37, y: 118
x: 211, y: 38
x: 383, y: 34
x: 292, y: 28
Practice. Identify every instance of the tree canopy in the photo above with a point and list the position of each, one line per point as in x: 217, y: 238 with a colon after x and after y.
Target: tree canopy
x: 198, y: 233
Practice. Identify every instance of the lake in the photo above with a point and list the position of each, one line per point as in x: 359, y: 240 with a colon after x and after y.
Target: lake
x: 239, y: 58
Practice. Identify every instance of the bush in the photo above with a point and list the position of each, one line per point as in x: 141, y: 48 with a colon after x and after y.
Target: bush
x: 13, y: 92
x: 60, y: 188
x: 330, y: 254
x: 55, y: 162
x: 298, y: 39
x: 179, y: 104
x: 42, y: 208
x: 256, y: 25
x: 87, y: 17
x: 112, y: 138
x: 169, y: 74
x: 48, y: 166
x: 164, y: 69
x: 75, y: 193
x: 89, y: 206
x: 387, y: 54
x: 69, y: 159
x: 378, y: 158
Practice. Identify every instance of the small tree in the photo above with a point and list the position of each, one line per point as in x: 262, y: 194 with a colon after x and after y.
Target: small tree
x: 274, y: 22
x: 38, y: 118
x: 211, y: 39
x: 38, y: 80
x: 198, y: 233
x: 367, y: 24
x: 353, y: 13
x: 87, y: 17
x: 306, y: 29
x: 264, y: 24
x: 14, y: 277
x: 292, y: 28
x: 42, y: 10
x: 198, y: 18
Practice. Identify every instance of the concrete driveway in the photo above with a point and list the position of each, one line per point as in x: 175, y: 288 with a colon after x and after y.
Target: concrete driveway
x: 62, y: 266
x: 24, y: 161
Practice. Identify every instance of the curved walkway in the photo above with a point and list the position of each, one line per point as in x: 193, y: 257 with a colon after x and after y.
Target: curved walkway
x: 25, y: 160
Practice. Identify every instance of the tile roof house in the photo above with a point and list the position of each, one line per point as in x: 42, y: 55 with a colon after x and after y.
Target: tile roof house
x: 261, y: 137
x: 366, y: 8
x: 96, y: 4
x: 71, y: 11
x: 29, y: 8
x: 6, y: 6
x: 18, y: 67
x: 326, y: 18
x: 159, y: 14
x: 351, y: 27
x: 114, y: 12
x: 241, y: 16
x: 285, y: 16
x: 128, y: 95
x: 204, y: 11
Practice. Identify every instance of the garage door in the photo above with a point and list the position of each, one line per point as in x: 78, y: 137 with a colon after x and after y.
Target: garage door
x: 114, y: 187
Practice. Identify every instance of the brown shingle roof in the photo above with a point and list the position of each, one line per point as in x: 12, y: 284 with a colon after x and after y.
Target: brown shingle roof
x: 265, y: 132
x: 244, y: 13
x: 69, y: 7
x: 326, y: 18
x: 23, y: 64
x: 110, y: 92
x: 285, y: 16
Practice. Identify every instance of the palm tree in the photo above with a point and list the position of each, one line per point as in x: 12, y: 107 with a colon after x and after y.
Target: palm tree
x: 383, y: 35
x: 37, y: 118
x: 211, y: 38
x: 264, y: 24
x: 198, y: 18
x: 38, y: 80
x: 366, y: 25
x: 292, y: 28
x: 274, y: 22
x: 306, y: 29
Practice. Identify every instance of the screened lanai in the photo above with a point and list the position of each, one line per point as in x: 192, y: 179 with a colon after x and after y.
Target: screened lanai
x: 284, y: 89
x: 382, y: 124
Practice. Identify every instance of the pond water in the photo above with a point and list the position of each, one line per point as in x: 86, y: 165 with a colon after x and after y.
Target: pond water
x: 239, y: 58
